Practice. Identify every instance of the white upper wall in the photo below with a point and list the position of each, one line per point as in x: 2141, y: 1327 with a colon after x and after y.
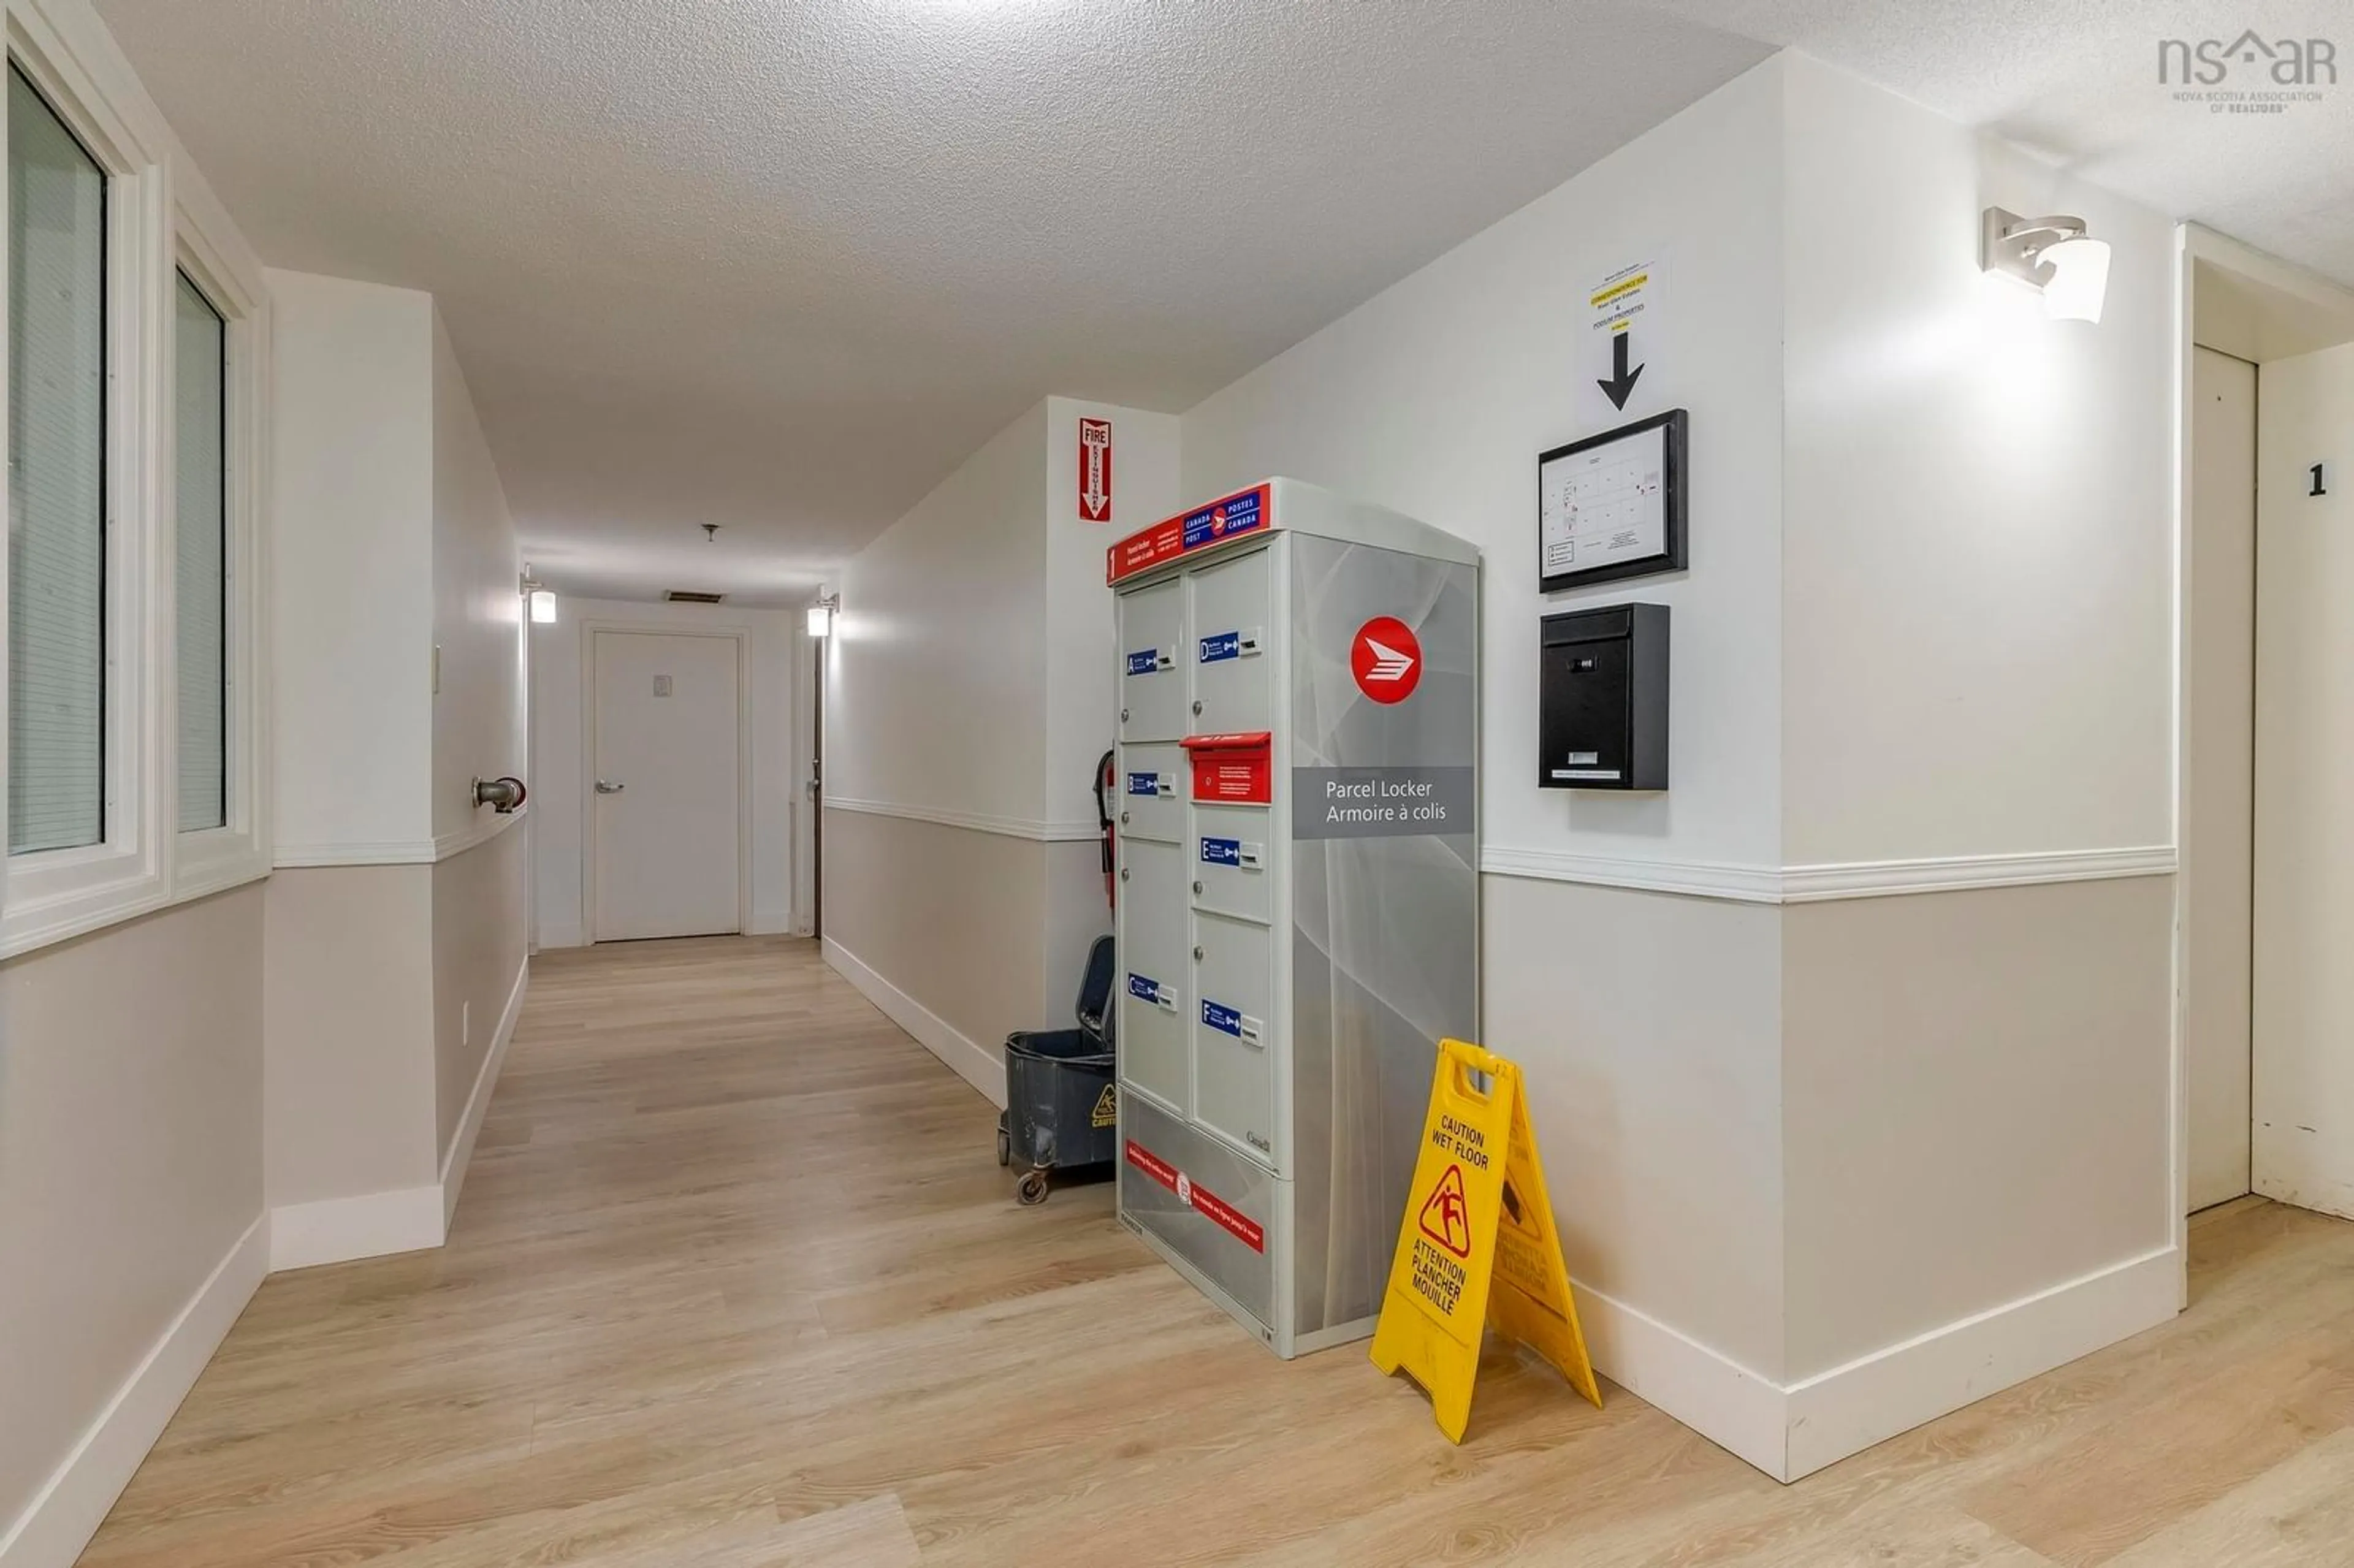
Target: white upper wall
x: 1978, y: 514
x: 938, y: 670
x: 1436, y: 396
x: 973, y: 671
x: 1082, y: 664
x: 352, y: 572
x: 478, y: 713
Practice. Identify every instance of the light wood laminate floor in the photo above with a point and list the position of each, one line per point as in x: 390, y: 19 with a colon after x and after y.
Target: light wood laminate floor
x: 737, y: 1283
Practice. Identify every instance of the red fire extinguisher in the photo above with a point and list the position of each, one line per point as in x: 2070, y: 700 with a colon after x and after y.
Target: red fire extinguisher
x: 1106, y: 791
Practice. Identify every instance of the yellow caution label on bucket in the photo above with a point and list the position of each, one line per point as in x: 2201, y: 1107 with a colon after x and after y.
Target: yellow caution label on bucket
x: 1107, y: 1111
x: 1478, y: 1246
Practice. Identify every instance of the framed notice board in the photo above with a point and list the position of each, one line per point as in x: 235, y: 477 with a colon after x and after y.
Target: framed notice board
x: 1612, y: 505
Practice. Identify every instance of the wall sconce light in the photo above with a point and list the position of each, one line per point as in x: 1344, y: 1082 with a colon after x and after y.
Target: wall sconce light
x: 540, y: 597
x: 819, y: 618
x: 2053, y: 255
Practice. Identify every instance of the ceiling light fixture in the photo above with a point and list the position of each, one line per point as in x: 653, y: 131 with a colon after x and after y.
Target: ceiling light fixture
x: 2052, y: 255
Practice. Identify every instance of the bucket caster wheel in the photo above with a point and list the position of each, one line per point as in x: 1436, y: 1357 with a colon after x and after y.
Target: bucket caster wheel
x: 1030, y: 1191
x: 1004, y: 1146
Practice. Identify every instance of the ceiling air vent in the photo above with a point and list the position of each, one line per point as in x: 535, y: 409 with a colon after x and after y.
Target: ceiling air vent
x: 689, y: 596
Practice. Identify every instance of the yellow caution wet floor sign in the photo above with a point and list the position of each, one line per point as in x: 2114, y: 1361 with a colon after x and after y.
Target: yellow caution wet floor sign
x: 1478, y: 1246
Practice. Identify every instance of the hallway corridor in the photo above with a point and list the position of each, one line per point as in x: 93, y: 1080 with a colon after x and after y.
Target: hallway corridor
x: 736, y: 1283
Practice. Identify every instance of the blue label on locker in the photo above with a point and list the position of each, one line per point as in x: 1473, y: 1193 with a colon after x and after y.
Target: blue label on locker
x: 1221, y: 851
x: 1235, y: 514
x: 1145, y: 662
x: 1143, y: 989
x: 1224, y: 645
x: 1144, y: 783
x: 1222, y: 1018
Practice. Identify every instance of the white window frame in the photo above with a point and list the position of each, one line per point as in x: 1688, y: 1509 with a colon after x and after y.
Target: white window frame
x: 143, y: 863
x: 215, y: 259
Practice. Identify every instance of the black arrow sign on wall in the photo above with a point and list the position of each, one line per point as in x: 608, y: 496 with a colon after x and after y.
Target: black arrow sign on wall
x: 1621, y: 385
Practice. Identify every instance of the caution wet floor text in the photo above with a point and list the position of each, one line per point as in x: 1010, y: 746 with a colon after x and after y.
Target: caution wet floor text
x: 1478, y: 1246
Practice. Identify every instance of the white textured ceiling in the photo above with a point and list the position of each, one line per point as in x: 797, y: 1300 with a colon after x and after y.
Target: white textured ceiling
x: 2077, y: 81
x: 781, y: 264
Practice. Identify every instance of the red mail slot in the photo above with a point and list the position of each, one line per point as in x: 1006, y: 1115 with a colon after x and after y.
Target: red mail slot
x: 1233, y: 769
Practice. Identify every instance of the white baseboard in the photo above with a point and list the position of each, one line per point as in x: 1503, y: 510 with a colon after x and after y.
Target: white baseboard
x: 1716, y: 1396
x: 73, y: 1503
x: 337, y: 1230
x: 1848, y: 1409
x: 1792, y: 1430
x: 455, y: 1163
x: 969, y: 1061
x: 2299, y: 1174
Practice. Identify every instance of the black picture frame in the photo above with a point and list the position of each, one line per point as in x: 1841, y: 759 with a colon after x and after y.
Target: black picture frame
x: 1674, y: 503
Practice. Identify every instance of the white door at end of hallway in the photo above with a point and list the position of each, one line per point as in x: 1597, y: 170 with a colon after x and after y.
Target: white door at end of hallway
x: 664, y: 797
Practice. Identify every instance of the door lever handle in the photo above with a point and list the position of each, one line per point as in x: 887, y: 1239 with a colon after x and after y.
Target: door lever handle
x: 606, y: 788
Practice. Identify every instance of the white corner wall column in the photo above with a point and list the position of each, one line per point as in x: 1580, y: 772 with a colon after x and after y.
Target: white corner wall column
x: 1922, y: 751
x: 398, y: 941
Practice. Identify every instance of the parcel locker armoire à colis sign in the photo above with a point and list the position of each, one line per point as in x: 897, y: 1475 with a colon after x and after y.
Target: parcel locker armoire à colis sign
x: 1298, y: 677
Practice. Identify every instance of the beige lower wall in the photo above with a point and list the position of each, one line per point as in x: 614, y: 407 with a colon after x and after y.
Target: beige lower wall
x: 953, y: 918
x: 131, y: 1090
x: 349, y: 1091
x: 1648, y: 1028
x: 1976, y: 1092
x: 1789, y: 1138
x: 479, y: 941
x: 1077, y: 914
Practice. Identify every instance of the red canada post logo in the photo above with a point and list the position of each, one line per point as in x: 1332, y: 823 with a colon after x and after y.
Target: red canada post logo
x: 1386, y: 659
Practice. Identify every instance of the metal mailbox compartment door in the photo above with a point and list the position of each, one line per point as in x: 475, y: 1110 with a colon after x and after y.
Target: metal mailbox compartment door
x: 1232, y: 678
x: 1154, y: 657
x: 1234, y: 1033
x: 1152, y: 785
x: 1155, y: 1050
x: 1232, y: 861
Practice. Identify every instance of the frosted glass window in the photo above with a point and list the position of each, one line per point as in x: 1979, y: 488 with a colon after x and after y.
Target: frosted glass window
x: 56, y: 482
x: 200, y: 415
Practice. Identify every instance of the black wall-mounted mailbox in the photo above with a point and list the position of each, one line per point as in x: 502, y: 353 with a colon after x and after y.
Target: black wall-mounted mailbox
x: 1602, y: 699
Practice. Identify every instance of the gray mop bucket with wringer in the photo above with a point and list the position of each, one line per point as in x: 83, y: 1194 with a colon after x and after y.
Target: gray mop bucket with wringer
x: 1062, y: 1106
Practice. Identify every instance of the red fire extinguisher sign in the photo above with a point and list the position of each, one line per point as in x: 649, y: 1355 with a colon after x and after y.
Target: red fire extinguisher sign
x: 1095, y: 471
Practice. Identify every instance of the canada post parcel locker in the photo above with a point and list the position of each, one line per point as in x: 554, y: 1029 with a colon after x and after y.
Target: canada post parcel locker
x: 1299, y: 905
